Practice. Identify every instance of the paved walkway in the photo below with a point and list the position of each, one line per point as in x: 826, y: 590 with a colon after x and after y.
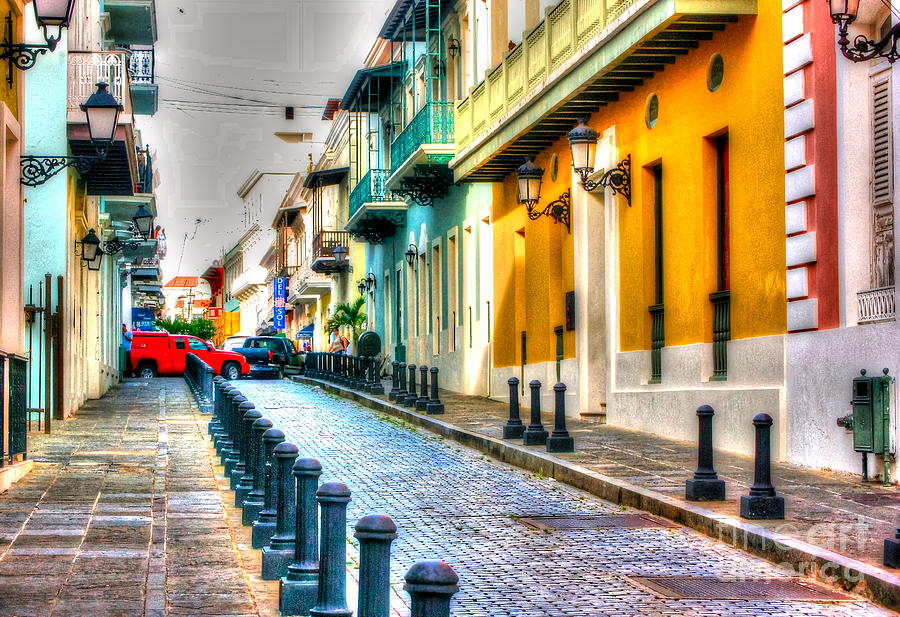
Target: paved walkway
x: 452, y: 503
x: 835, y: 511
x: 121, y: 516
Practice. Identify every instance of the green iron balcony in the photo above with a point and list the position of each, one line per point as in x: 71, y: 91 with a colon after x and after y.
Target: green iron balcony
x: 375, y: 212
x: 432, y: 125
x: 371, y: 188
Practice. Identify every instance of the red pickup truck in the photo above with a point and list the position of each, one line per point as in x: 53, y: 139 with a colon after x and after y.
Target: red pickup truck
x: 161, y: 353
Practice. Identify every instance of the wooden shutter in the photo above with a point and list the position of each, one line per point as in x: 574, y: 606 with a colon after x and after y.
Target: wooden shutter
x: 882, y: 165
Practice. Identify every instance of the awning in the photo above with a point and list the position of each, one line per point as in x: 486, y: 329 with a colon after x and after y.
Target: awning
x: 306, y: 331
x: 370, y: 87
x: 325, y: 177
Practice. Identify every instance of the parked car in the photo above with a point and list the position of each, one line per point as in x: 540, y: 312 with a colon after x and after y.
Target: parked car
x: 271, y: 355
x: 161, y: 353
x: 232, y: 342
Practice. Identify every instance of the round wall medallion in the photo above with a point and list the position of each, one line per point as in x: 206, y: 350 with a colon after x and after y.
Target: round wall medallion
x: 652, y: 114
x: 554, y: 167
x: 716, y: 72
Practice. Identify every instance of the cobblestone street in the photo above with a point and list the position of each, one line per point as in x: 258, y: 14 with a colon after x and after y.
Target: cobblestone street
x: 454, y: 504
x: 126, y: 513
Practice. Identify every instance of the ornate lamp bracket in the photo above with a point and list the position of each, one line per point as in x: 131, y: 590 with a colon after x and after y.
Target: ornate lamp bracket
x: 38, y: 169
x: 618, y: 179
x: 863, y: 48
x: 20, y: 56
x: 114, y: 246
x: 558, y: 210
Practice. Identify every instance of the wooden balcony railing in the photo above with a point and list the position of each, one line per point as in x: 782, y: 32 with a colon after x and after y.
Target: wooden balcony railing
x: 326, y: 241
x: 566, y: 30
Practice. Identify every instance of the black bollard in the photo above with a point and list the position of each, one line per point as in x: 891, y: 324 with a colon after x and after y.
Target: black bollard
x: 254, y: 501
x: 395, y: 381
x: 331, y: 600
x: 375, y: 534
x: 279, y: 554
x: 412, y: 396
x: 242, y: 476
x: 430, y: 585
x: 298, y: 589
x: 402, y: 393
x: 435, y: 406
x: 514, y: 429
x: 762, y: 503
x: 892, y: 551
x: 220, y: 436
x: 214, y: 424
x: 705, y: 485
x: 535, y: 434
x: 422, y: 401
x: 223, y: 438
x: 377, y: 387
x: 560, y: 440
x: 264, y: 524
x: 237, y: 426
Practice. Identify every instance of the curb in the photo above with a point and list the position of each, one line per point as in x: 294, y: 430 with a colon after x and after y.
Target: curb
x: 800, y: 557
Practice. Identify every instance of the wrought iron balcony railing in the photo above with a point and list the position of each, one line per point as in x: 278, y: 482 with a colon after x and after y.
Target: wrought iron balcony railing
x: 370, y: 188
x: 145, y: 171
x: 876, y: 305
x: 432, y: 125
x: 567, y: 29
x: 141, y: 65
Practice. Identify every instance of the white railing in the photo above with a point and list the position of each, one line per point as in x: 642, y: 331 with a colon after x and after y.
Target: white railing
x: 87, y: 68
x: 876, y: 305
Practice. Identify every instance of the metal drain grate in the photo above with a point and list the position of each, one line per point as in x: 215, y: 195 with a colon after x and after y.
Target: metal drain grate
x: 716, y: 588
x: 571, y: 523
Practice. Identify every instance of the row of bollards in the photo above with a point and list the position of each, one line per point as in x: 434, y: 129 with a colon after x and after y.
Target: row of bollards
x: 535, y: 434
x: 355, y: 372
x: 300, y: 525
x: 762, y: 503
x: 199, y: 377
x: 404, y: 392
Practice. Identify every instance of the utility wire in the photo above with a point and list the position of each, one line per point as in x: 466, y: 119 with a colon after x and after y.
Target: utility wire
x: 261, y: 91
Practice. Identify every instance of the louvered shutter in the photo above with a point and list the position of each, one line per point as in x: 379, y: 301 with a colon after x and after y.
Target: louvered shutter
x: 882, y: 165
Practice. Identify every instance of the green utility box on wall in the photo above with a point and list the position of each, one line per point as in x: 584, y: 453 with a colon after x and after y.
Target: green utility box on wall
x: 872, y: 417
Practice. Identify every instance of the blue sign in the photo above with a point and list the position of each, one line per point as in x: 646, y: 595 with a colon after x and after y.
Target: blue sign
x: 142, y: 318
x: 279, y: 298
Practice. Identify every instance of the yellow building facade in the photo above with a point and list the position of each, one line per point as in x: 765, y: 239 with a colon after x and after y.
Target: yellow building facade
x: 665, y: 84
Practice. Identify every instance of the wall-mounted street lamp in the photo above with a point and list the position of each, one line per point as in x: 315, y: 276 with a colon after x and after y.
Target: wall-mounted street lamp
x: 411, y: 253
x: 453, y: 46
x: 367, y: 284
x: 844, y: 13
x: 102, y: 111
x: 583, y: 142
x: 530, y: 177
x: 143, y: 221
x: 47, y: 14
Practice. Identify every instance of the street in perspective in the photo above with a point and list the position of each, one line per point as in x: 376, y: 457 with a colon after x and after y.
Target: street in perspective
x: 449, y: 308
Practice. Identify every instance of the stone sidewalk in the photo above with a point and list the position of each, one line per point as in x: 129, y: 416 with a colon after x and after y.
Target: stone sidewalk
x: 122, y: 516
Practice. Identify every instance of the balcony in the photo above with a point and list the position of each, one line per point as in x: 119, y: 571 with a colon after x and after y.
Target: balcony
x: 420, y: 154
x: 323, y: 246
x: 144, y: 91
x: 375, y: 213
x: 577, y: 60
x: 876, y: 305
x: 132, y: 22
x: 430, y: 134
x: 307, y: 286
x: 118, y: 173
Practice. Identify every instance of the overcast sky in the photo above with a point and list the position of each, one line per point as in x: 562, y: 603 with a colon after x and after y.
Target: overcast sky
x: 256, y: 53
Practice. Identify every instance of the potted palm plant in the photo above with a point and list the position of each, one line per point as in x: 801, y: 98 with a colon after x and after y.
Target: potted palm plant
x: 349, y: 315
